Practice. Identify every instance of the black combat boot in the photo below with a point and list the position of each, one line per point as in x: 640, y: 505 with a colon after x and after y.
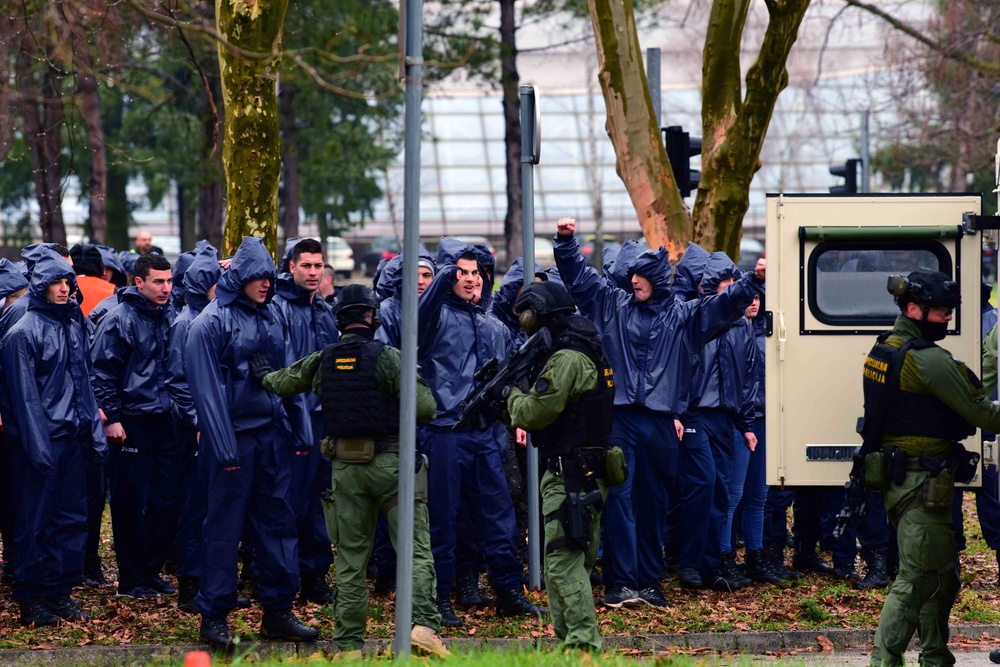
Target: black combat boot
x: 315, y: 589
x: 775, y: 555
x: 759, y: 569
x: 35, y: 614
x: 93, y: 574
x: 876, y: 576
x: 282, y: 625
x: 448, y: 616
x: 66, y: 608
x: 809, y: 561
x: 512, y: 602
x: 162, y: 586
x: 846, y: 572
x: 187, y: 591
x: 216, y: 632
x: 723, y: 584
x: 727, y: 566
x: 689, y: 578
x: 468, y: 593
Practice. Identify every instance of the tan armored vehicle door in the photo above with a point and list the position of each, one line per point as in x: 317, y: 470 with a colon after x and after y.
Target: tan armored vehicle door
x: 828, y: 258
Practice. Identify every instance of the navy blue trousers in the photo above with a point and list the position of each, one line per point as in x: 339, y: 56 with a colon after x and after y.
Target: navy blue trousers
x: 144, y: 475
x: 258, y: 494
x: 6, y: 500
x: 50, y: 525
x: 465, y: 475
x: 987, y: 510
x: 193, y: 498
x: 705, y: 464
x: 776, y: 515
x: 311, y: 475
x: 635, y: 513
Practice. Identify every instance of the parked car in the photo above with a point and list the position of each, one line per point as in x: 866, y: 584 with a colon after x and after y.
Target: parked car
x: 589, y: 248
x: 544, y: 252
x: 340, y: 256
x: 750, y: 251
x: 381, y: 247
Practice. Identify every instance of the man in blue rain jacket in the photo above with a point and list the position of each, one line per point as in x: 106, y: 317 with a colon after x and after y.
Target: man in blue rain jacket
x: 244, y: 450
x: 52, y: 422
x: 309, y: 327
x: 652, y: 342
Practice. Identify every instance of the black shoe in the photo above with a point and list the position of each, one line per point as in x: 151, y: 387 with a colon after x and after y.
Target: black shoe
x: 876, y: 576
x: 620, y: 596
x: 35, y: 614
x: 187, y: 591
x: 596, y: 578
x: 468, y: 593
x: 162, y: 586
x: 512, y: 602
x: 282, y: 625
x: 811, y: 562
x: 775, y: 555
x: 137, y: 592
x: 846, y: 572
x: 759, y: 569
x: 653, y: 596
x: 216, y: 632
x: 448, y: 616
x: 66, y: 608
x: 727, y: 565
x: 724, y: 584
x: 242, y: 602
x: 315, y: 589
x: 689, y: 578
x: 93, y: 574
x: 670, y: 563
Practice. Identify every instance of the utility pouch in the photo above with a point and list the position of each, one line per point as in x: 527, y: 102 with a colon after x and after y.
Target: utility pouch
x: 355, y: 450
x: 964, y: 462
x: 328, y: 448
x: 896, y: 464
x: 329, y: 514
x: 875, y: 473
x: 936, y: 492
x: 420, y: 483
x: 615, y: 467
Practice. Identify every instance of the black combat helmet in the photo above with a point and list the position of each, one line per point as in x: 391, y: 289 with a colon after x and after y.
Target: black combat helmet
x: 931, y: 289
x: 350, y: 304
x: 541, y: 303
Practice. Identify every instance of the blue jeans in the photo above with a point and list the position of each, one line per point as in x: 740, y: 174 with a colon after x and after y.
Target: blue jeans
x: 748, y: 483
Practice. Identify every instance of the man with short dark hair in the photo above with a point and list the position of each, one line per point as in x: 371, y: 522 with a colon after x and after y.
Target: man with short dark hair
x: 130, y: 358
x: 327, y: 284
x: 52, y: 421
x: 309, y: 327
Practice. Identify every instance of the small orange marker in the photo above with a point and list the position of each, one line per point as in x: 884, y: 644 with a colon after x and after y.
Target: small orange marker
x: 197, y: 659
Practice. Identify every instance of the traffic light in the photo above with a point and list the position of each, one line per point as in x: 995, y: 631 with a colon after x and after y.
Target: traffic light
x: 849, y: 172
x: 681, y: 147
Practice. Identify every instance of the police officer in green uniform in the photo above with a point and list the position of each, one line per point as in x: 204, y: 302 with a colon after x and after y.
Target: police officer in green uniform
x: 358, y: 380
x: 921, y: 402
x: 567, y: 410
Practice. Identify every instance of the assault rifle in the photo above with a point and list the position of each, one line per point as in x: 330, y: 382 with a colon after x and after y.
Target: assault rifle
x: 856, y: 495
x: 481, y: 408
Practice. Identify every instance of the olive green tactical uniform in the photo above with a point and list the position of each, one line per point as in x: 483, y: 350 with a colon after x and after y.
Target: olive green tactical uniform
x: 927, y: 584
x: 568, y: 375
x: 359, y: 489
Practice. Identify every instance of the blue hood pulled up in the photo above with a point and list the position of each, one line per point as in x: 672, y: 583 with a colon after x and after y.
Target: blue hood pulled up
x: 718, y: 267
x: 11, y: 278
x: 618, y: 260
x: 688, y: 273
x: 251, y: 262
x: 654, y: 266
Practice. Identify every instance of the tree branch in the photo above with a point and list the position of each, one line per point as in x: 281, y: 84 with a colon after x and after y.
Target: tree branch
x: 943, y: 49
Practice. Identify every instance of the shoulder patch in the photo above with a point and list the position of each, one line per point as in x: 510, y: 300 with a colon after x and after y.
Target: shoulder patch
x: 542, y: 385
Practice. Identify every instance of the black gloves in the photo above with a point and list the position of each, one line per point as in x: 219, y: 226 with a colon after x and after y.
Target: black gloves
x: 259, y: 366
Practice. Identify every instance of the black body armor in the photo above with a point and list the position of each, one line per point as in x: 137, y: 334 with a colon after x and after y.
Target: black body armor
x: 907, y: 413
x: 586, y: 422
x: 353, y: 405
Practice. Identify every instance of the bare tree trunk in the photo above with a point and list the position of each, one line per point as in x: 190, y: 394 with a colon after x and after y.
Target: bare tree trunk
x: 210, y: 200
x: 513, y: 223
x: 733, y: 129
x: 251, y: 149
x: 97, y: 188
x: 8, y: 48
x: 42, y: 131
x: 290, y: 144
x: 634, y: 131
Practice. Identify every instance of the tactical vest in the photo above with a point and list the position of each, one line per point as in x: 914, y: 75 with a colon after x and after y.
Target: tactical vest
x: 906, y: 413
x: 587, y: 421
x: 353, y: 405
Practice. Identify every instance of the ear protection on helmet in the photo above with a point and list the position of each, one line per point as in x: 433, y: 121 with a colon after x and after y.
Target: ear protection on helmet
x: 528, y: 319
